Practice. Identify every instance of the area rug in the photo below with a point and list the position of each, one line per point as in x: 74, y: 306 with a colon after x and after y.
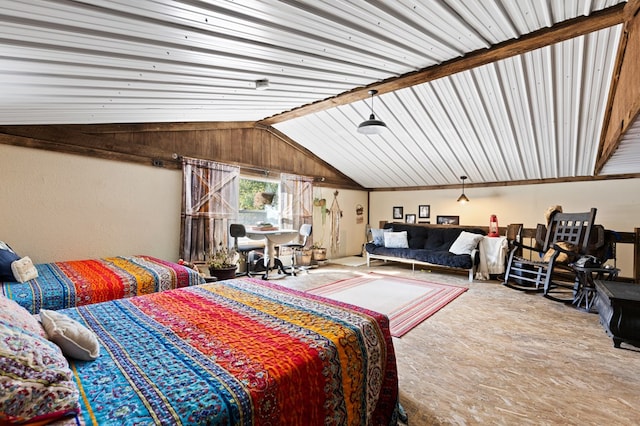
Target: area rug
x: 407, y: 302
x: 350, y: 261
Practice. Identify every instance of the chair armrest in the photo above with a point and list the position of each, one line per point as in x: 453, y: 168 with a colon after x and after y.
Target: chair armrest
x: 474, y: 254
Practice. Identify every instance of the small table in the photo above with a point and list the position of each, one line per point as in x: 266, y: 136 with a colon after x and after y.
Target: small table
x: 619, y: 309
x: 271, y: 238
x: 584, y: 290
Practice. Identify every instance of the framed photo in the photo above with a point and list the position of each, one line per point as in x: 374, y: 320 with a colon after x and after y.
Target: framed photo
x: 424, y: 211
x: 410, y: 218
x: 398, y: 212
x: 448, y: 220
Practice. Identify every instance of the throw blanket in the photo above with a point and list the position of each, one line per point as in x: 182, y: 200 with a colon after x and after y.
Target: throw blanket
x: 238, y: 352
x: 81, y: 282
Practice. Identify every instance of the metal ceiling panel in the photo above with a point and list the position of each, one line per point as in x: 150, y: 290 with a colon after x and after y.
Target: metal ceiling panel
x: 534, y: 116
x: 626, y: 159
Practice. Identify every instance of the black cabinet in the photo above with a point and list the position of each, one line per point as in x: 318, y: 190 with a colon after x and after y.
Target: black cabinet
x: 618, y: 305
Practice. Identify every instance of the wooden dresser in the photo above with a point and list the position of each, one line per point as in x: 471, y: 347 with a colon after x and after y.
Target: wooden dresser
x: 618, y: 305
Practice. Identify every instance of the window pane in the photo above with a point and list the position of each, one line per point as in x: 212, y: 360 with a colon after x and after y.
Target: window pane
x: 259, y: 202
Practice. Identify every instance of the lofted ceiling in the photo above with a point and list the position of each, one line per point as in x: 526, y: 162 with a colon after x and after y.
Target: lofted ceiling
x: 531, y: 113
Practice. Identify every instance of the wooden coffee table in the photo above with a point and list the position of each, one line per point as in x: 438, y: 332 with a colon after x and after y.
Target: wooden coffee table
x: 618, y: 305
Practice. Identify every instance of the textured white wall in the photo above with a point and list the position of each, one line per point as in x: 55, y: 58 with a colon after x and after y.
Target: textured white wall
x: 56, y: 206
x: 352, y: 234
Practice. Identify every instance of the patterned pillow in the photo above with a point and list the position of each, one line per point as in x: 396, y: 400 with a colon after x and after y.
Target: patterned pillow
x: 13, y: 314
x: 36, y: 384
x: 24, y: 270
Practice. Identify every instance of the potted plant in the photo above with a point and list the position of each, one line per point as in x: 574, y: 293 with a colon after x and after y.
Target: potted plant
x: 223, y: 263
x: 319, y: 252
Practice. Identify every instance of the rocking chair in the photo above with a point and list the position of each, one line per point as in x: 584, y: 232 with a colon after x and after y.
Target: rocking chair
x: 567, y: 238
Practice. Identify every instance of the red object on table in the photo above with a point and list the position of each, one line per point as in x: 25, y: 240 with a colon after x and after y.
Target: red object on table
x: 494, y: 230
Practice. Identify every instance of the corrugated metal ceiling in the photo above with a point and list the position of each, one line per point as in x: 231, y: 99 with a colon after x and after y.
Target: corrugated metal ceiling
x: 533, y: 116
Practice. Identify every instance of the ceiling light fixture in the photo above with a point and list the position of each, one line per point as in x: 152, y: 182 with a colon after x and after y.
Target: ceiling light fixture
x: 463, y: 198
x: 372, y: 126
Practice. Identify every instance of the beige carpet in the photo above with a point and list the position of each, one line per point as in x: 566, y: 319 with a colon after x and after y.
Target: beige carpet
x: 349, y: 261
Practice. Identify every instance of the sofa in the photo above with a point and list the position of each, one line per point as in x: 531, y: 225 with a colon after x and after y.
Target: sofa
x: 446, y: 246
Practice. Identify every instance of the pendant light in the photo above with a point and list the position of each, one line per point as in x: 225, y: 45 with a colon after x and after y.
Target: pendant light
x: 372, y: 126
x: 463, y: 198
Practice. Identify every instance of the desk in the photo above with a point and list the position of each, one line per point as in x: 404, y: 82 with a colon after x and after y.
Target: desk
x: 271, y: 239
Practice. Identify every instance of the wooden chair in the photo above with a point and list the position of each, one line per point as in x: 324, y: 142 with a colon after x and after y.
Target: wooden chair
x: 566, y: 239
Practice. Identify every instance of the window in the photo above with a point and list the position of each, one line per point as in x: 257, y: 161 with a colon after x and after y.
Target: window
x: 259, y: 201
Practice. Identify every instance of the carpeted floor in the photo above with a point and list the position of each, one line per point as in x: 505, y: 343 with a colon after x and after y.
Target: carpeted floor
x: 497, y: 356
x: 407, y: 302
x: 349, y: 261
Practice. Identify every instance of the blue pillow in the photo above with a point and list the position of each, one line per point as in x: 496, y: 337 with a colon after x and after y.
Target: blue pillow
x: 7, y: 257
x: 378, y: 236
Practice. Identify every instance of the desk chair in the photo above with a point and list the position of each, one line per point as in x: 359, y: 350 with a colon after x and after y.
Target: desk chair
x: 304, y: 232
x: 237, y: 230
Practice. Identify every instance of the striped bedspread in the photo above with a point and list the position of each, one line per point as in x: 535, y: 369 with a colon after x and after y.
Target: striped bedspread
x: 81, y: 282
x: 238, y: 352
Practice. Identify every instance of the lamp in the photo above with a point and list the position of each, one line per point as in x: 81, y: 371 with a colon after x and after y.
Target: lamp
x: 463, y: 198
x: 372, y: 126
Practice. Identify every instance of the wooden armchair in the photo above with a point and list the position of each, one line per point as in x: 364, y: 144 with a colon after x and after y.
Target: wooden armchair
x: 566, y: 239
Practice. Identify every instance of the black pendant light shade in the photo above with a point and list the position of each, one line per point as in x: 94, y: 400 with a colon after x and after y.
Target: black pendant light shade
x: 372, y: 126
x: 463, y: 198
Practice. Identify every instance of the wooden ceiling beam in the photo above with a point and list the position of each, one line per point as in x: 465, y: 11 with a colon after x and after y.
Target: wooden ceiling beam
x: 562, y: 31
x: 623, y: 104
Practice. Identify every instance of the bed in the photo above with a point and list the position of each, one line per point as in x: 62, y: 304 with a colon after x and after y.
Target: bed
x: 238, y: 352
x: 69, y: 284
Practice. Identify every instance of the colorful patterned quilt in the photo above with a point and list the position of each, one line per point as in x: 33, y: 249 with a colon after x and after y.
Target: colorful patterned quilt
x: 81, y: 282
x: 238, y: 352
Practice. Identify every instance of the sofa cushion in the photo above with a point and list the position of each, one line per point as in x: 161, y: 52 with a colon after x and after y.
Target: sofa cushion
x: 396, y: 239
x: 416, y: 234
x: 443, y: 257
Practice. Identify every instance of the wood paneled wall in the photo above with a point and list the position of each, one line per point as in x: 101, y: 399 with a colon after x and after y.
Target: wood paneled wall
x: 624, y: 99
x: 259, y: 150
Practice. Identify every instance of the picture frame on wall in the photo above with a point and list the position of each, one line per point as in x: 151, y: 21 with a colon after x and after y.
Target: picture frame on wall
x: 398, y: 212
x: 410, y: 218
x: 448, y: 220
x: 424, y: 211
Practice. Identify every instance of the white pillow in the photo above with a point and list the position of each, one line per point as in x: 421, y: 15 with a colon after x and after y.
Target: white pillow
x: 465, y: 242
x: 396, y: 239
x: 23, y: 269
x: 75, y: 340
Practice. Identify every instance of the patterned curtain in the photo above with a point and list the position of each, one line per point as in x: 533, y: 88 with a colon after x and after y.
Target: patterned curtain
x: 209, y: 205
x: 296, y: 201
